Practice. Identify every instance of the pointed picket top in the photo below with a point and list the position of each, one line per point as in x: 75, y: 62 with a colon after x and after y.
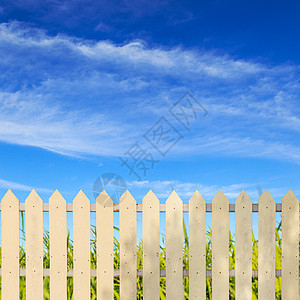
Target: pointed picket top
x: 56, y: 197
x: 81, y: 198
x: 127, y: 198
x: 266, y: 198
x: 150, y: 198
x: 9, y: 197
x: 104, y: 199
x: 174, y: 198
x: 33, y: 198
x: 290, y: 198
x: 243, y: 198
x: 56, y: 194
x: 197, y: 199
x: 220, y: 198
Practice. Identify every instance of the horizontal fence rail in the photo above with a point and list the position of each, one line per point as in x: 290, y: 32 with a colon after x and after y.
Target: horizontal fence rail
x: 139, y: 207
x: 200, y: 274
x: 70, y: 273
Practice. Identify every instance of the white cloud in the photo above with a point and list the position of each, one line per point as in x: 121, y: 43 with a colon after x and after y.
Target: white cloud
x: 5, y: 184
x: 163, y: 189
x: 79, y: 97
x: 239, y: 147
x: 28, y: 120
x: 134, y: 54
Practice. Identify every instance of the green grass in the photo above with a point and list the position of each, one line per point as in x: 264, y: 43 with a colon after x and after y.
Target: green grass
x: 162, y: 265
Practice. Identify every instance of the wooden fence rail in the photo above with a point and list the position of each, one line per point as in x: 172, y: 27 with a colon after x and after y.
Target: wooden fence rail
x: 197, y: 208
x: 139, y: 207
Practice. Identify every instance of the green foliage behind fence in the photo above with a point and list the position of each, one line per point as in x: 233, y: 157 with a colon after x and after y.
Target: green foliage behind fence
x: 162, y: 266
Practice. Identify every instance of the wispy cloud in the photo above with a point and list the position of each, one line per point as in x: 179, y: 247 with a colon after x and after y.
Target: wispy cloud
x: 5, y: 184
x: 27, y: 119
x: 62, y: 53
x: 240, y: 147
x: 81, y: 97
x: 185, y: 190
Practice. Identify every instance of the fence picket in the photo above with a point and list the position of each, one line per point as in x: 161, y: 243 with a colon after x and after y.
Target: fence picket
x: 174, y: 243
x: 81, y: 244
x: 10, y: 246
x: 290, y: 247
x: 266, y: 247
x: 197, y: 247
x: 220, y: 247
x: 105, y: 254
x: 128, y: 259
x: 34, y: 246
x: 58, y: 246
x: 243, y: 247
x: 151, y: 266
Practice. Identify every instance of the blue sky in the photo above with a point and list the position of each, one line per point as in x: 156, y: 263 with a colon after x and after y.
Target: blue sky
x: 82, y: 81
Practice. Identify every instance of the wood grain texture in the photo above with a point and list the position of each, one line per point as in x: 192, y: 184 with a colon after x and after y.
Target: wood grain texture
x: 10, y: 246
x: 290, y: 247
x: 34, y: 246
x: 174, y: 244
x: 58, y: 246
x: 220, y: 247
x: 128, y: 259
x: 243, y: 247
x: 197, y: 248
x: 266, y: 247
x: 151, y: 241
x: 105, y: 255
x: 81, y: 247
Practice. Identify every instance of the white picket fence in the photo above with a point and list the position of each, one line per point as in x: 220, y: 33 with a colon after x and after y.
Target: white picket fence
x: 151, y: 273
